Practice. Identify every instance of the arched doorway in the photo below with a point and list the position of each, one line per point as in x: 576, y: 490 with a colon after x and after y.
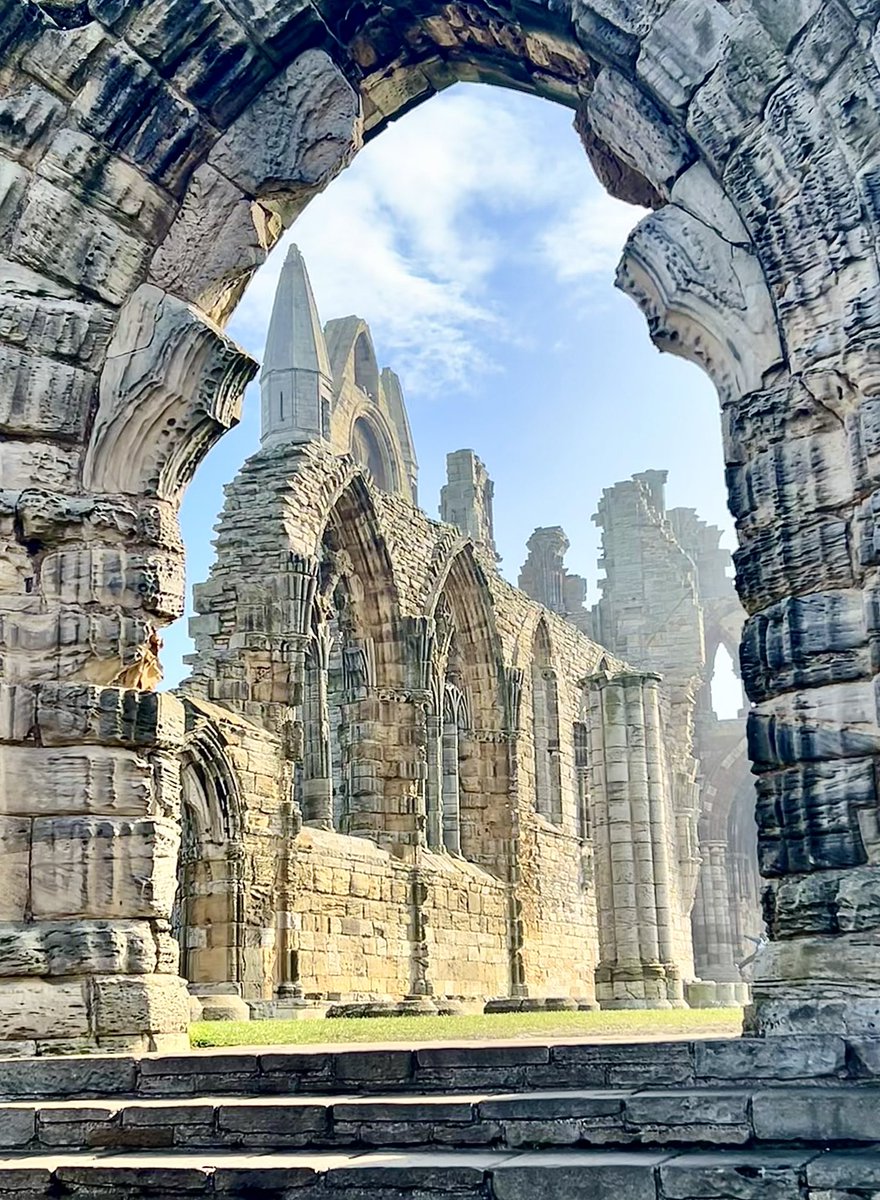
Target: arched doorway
x: 758, y: 261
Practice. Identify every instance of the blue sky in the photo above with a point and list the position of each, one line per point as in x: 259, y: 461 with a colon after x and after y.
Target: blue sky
x: 475, y: 240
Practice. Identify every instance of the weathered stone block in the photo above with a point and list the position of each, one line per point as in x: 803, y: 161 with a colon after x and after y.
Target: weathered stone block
x: 624, y: 117
x: 604, y: 1175
x: 27, y: 114
x: 218, y: 240
x: 129, y: 108
x: 131, y: 1005
x: 29, y: 1007
x: 782, y: 1058
x: 68, y: 713
x: 298, y: 156
x: 811, y: 1114
x: 103, y: 867
x: 81, y: 165
x: 63, y: 59
x: 15, y: 849
x: 17, y: 1127
x: 78, y: 243
x: 682, y: 47
x: 734, y: 1175
x: 39, y: 781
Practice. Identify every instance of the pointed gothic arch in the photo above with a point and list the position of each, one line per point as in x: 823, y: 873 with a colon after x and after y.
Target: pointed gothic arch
x: 208, y: 913
x: 546, y: 734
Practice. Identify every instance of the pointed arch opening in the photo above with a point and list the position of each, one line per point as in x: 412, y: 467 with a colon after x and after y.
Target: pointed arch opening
x: 545, y: 728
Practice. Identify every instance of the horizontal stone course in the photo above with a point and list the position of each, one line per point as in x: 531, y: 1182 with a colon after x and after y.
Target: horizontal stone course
x: 841, y: 1114
x: 566, y: 1175
x: 752, y: 1120
x: 811, y: 1060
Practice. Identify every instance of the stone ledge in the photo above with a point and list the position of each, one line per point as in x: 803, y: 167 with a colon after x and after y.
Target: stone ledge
x: 716, y: 1117
x: 502, y: 1066
x: 556, y: 1175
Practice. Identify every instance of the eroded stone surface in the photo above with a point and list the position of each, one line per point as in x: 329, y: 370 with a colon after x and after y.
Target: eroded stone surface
x: 110, y: 118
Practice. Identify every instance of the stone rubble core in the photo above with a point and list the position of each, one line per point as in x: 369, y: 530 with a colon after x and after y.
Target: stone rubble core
x: 150, y: 156
x: 406, y: 785
x: 789, y: 1117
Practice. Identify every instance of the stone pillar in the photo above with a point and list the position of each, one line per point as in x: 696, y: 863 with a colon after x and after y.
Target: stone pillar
x: 434, y: 780
x: 513, y: 691
x: 715, y: 944
x: 633, y: 835
x: 451, y: 787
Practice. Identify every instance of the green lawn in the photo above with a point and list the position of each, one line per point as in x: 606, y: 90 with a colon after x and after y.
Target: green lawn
x: 697, y: 1022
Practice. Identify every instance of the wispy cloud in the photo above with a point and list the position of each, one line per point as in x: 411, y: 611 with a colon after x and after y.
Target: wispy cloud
x: 587, y: 236
x: 412, y: 236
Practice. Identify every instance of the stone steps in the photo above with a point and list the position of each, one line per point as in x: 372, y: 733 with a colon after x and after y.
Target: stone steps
x: 662, y: 1121
x: 793, y: 1174
x: 430, y: 1070
x: 620, y: 1118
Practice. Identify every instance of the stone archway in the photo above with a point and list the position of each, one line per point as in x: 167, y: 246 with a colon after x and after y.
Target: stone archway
x: 151, y: 154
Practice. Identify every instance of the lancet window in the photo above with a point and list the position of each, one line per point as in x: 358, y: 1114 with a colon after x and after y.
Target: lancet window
x: 545, y: 729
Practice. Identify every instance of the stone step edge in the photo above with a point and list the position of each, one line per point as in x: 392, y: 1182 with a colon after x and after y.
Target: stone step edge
x: 597, y: 1175
x: 632, y: 1117
x: 445, y: 1068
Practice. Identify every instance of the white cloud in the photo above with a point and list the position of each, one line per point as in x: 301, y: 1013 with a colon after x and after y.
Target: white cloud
x: 411, y: 235
x: 587, y: 238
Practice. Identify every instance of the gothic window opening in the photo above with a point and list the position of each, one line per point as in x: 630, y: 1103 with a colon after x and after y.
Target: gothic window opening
x: 454, y: 731
x: 366, y: 371
x: 317, y: 787
x: 545, y: 729
x: 370, y: 451
x: 582, y: 780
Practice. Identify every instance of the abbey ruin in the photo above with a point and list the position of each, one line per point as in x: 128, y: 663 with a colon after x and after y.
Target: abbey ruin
x: 552, y: 835
x: 151, y: 155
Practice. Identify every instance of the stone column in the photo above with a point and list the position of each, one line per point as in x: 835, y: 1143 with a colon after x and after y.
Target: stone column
x: 714, y: 932
x: 633, y: 831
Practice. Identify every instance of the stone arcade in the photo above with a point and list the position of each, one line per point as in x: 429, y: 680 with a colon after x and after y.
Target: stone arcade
x: 525, y: 805
x: 151, y: 155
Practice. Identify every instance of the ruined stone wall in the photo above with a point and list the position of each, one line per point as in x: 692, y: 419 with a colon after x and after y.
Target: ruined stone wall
x: 467, y: 936
x: 517, y: 912
x: 350, y: 907
x: 668, y: 603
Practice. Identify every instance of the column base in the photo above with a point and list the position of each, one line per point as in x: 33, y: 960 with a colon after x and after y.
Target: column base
x: 638, y: 986
x: 221, y: 1002
x: 812, y: 1010
x: 715, y: 993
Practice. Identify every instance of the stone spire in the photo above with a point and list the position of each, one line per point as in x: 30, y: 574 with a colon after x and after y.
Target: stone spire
x: 466, y: 498
x: 296, y: 383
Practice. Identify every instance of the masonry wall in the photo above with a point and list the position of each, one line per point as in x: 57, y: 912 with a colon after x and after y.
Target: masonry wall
x: 466, y: 930
x: 305, y: 543
x: 350, y: 905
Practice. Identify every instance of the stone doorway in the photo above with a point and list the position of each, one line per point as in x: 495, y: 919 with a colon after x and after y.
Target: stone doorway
x: 152, y: 159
